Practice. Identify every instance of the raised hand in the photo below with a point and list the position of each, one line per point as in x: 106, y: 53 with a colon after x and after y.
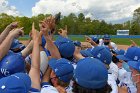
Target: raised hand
x: 14, y: 25
x: 35, y: 68
x: 63, y: 32
x: 11, y: 26
x: 133, y: 43
x: 36, y: 36
x: 89, y: 39
x: 34, y: 32
x: 44, y: 28
x: 17, y: 32
x: 50, y: 21
x: 47, y: 25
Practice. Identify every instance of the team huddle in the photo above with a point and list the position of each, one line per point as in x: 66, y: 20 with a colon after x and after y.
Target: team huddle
x: 63, y: 66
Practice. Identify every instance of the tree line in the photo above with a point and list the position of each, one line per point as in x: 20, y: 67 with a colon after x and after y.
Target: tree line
x: 76, y: 24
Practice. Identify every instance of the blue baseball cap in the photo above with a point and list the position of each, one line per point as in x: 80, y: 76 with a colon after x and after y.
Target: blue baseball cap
x: 135, y: 65
x: 86, y: 53
x: 16, y: 83
x: 106, y: 37
x: 120, y: 52
x: 102, y: 54
x: 16, y: 44
x: 132, y: 54
x: 91, y: 73
x: 89, y: 49
x: 65, y: 46
x: 62, y: 68
x: 12, y: 63
x: 77, y: 43
x: 95, y: 39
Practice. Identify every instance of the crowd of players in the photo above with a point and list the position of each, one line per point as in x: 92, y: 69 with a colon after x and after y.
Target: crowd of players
x: 62, y: 66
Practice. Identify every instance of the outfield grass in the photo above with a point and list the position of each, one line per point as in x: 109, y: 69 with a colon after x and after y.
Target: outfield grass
x: 120, y: 41
x: 125, y: 41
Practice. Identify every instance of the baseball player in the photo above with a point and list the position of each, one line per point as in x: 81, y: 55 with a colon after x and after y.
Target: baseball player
x: 88, y: 79
x: 7, y: 39
x: 34, y: 72
x: 16, y: 46
x: 132, y: 54
x: 59, y: 77
x: 105, y: 56
x: 106, y: 41
x: 135, y: 68
x: 21, y: 82
x: 6, y: 65
x: 16, y: 83
x: 94, y: 41
x: 55, y: 75
x: 62, y: 70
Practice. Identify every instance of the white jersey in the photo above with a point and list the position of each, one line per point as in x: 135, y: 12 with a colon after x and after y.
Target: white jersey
x: 48, y: 89
x: 113, y: 70
x: 43, y: 61
x: 112, y: 82
x: 101, y: 43
x: 125, y: 79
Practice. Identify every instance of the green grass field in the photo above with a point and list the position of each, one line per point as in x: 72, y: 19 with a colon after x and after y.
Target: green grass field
x: 120, y: 41
x: 125, y: 41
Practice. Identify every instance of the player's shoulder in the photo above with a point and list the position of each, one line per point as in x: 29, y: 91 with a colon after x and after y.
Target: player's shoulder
x: 112, y: 43
x: 48, y: 88
x: 114, y: 66
x: 100, y: 40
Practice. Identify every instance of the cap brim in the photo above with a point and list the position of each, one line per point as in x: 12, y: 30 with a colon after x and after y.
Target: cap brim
x: 76, y: 44
x: 122, y: 57
x: 17, y: 46
x: 133, y: 64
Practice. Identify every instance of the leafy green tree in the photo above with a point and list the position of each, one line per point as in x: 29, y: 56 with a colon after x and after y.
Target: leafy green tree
x: 81, y: 17
x: 135, y: 29
x: 5, y: 20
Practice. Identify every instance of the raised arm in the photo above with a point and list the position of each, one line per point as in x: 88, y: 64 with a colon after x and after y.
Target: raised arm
x: 28, y: 49
x: 46, y: 77
x: 35, y: 66
x: 5, y: 45
x: 89, y: 39
x: 7, y: 30
x: 45, y: 28
x: 63, y: 32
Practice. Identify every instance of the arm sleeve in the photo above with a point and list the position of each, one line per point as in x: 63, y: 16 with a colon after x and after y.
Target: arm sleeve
x: 114, y: 46
x: 33, y: 90
x: 112, y: 83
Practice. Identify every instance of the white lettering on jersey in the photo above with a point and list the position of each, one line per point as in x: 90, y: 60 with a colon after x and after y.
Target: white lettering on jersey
x: 5, y: 72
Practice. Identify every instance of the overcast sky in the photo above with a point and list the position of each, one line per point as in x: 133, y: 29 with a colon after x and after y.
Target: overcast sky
x: 112, y: 11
